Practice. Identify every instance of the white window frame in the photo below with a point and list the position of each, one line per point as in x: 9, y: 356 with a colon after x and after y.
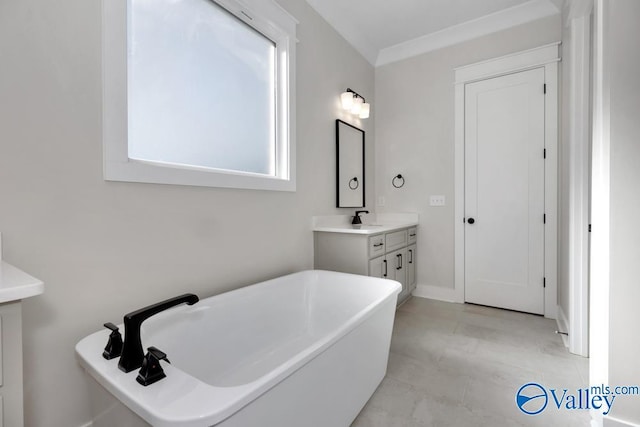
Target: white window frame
x: 265, y: 16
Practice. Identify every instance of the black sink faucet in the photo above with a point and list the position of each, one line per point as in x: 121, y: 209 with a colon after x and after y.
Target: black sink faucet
x: 356, y: 218
x: 132, y: 354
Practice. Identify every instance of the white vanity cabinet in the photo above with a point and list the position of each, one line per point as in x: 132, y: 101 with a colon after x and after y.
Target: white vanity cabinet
x: 11, y: 411
x: 387, y: 252
x: 15, y: 285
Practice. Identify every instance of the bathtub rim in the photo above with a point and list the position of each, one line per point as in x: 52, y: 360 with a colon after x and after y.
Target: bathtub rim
x: 203, y: 402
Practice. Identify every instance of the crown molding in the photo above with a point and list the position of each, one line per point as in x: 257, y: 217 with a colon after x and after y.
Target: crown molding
x: 577, y: 9
x: 343, y: 25
x: 511, y: 17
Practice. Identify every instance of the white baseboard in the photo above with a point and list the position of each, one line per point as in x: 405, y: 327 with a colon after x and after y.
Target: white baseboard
x: 563, y: 326
x: 435, y: 292
x: 614, y: 422
x: 450, y: 295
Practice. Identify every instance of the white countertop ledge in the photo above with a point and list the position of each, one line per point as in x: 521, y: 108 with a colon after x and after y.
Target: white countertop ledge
x: 365, y: 228
x: 372, y: 223
x: 15, y: 284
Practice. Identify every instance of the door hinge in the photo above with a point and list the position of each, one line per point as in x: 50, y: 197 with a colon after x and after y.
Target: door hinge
x: 544, y: 88
x: 589, y: 228
x: 544, y: 153
x: 544, y: 218
x: 544, y: 282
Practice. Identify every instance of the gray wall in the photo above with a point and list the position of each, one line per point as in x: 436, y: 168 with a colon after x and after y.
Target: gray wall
x: 415, y: 135
x: 624, y: 317
x: 106, y: 248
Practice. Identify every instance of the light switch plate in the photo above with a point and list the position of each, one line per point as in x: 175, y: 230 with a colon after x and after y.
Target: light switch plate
x: 437, y: 201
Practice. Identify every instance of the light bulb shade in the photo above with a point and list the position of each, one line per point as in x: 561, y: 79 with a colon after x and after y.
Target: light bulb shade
x: 364, y: 111
x: 357, y: 106
x: 347, y: 100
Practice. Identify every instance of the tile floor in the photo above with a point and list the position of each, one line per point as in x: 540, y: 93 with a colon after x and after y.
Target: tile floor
x: 461, y: 365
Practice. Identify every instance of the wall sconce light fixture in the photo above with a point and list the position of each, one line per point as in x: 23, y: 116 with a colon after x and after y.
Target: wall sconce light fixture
x: 355, y: 103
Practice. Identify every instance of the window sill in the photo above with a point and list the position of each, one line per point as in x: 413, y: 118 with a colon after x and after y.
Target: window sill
x: 150, y: 172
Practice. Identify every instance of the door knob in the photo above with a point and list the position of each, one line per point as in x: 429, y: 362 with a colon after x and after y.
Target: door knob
x: 471, y: 220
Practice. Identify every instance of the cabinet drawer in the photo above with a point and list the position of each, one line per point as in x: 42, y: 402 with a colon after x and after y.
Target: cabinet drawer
x: 396, y: 240
x: 412, y: 235
x: 376, y: 246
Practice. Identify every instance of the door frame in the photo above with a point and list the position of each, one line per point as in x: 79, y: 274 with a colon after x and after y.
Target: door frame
x: 546, y: 57
x: 576, y: 321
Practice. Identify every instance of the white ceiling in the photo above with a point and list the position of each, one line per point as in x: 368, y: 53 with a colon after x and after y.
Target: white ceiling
x: 385, y: 31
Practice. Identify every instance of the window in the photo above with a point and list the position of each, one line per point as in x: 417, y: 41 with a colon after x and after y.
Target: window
x: 198, y: 92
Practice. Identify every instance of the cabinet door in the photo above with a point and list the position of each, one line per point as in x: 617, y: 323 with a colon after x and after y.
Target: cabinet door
x: 411, y: 267
x: 378, y: 267
x: 398, y: 264
x: 397, y: 267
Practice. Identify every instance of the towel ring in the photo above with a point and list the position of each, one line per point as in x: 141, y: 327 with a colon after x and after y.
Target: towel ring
x: 399, y: 178
x: 355, y: 182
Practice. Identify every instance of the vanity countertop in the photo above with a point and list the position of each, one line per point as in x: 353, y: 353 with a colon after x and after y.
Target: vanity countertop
x: 365, y: 228
x: 15, y: 284
x: 372, y: 223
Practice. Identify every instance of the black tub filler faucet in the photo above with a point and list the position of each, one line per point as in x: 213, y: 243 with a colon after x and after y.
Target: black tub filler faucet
x: 132, y: 354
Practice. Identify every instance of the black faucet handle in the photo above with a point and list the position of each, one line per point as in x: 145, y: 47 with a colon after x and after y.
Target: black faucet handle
x: 114, y: 345
x: 151, y: 371
x: 111, y: 327
x: 356, y: 219
x: 158, y: 354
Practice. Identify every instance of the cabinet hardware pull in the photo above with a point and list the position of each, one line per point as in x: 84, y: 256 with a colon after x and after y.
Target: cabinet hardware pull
x: 385, y: 268
x: 378, y: 245
x: 411, y: 257
x: 399, y: 257
x: 412, y: 235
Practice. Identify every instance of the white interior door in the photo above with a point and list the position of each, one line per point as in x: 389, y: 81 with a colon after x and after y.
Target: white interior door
x: 504, y: 191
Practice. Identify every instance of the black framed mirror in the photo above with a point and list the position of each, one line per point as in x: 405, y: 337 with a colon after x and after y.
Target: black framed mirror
x: 350, y: 181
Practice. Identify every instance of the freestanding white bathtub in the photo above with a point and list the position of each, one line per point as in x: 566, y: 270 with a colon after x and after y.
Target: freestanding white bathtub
x: 307, y: 349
